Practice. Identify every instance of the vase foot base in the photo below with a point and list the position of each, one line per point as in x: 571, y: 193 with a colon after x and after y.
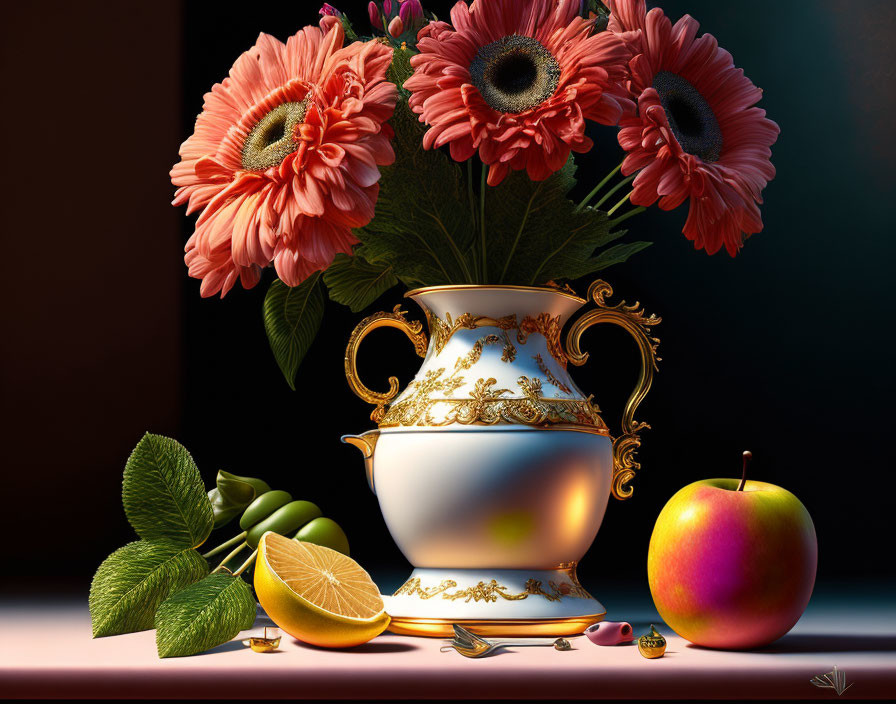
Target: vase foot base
x: 493, y: 602
x: 441, y: 628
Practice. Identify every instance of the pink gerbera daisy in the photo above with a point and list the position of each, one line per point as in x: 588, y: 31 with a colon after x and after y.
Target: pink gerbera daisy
x: 284, y: 158
x: 516, y: 80
x: 696, y: 134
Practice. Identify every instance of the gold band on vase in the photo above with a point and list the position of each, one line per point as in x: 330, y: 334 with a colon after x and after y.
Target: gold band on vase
x: 518, y: 627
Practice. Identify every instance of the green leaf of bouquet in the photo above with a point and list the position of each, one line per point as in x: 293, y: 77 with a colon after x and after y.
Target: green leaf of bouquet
x: 356, y: 283
x: 350, y: 35
x: 614, y: 255
x: 424, y: 224
x: 132, y: 582
x: 232, y: 494
x: 535, y: 234
x: 400, y: 69
x: 204, y: 615
x: 163, y: 494
x: 292, y: 317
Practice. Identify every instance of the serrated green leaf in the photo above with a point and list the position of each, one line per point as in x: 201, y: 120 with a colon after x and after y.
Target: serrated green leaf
x: 232, y: 494
x: 292, y: 318
x: 612, y: 255
x: 400, y: 69
x: 204, y: 615
x: 131, y: 583
x: 423, y: 225
x: 356, y: 283
x: 163, y: 494
x: 350, y: 35
x: 535, y: 234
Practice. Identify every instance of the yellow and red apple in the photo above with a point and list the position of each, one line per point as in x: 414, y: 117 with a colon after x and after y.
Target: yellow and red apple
x: 731, y: 562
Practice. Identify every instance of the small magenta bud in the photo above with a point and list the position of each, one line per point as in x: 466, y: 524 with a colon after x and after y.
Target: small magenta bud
x: 416, y: 9
x: 387, y: 7
x: 396, y: 26
x: 404, y: 12
x: 328, y: 9
x: 374, y: 14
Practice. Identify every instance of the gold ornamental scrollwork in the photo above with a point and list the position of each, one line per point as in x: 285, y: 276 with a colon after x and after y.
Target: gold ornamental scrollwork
x: 549, y: 375
x: 491, y: 591
x: 443, y: 330
x: 487, y: 405
x: 633, y: 319
x: 395, y: 319
x: 550, y: 328
x: 413, y: 588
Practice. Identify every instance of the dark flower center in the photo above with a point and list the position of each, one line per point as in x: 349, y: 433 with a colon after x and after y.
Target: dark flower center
x: 515, y: 73
x: 692, y: 121
x: 272, y: 140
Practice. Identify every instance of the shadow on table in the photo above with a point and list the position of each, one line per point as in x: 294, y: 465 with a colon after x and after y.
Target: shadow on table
x: 371, y: 647
x: 825, y: 643
x: 228, y: 647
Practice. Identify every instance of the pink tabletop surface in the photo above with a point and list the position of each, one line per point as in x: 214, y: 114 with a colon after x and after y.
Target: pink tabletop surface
x: 54, y: 656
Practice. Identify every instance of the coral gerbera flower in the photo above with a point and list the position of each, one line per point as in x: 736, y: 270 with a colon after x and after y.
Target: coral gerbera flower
x: 516, y: 79
x: 696, y: 133
x: 284, y: 158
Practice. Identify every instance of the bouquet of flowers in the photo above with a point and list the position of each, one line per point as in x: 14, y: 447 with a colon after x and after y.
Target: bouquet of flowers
x: 442, y: 153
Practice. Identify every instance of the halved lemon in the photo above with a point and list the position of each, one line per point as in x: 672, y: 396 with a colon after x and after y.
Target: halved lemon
x: 316, y: 594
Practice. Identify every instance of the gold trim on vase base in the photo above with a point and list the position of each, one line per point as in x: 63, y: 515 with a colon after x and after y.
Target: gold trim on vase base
x: 442, y: 628
x: 494, y: 287
x: 490, y: 591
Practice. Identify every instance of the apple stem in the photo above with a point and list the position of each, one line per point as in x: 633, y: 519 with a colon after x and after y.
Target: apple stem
x: 743, y: 477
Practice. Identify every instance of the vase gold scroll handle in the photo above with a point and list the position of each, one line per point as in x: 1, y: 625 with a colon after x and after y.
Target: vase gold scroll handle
x: 633, y: 319
x: 412, y: 328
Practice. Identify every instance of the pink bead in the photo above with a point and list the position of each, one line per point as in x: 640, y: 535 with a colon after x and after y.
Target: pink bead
x: 610, y: 633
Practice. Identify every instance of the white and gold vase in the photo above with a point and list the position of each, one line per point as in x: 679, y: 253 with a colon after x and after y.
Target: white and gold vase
x: 492, y: 468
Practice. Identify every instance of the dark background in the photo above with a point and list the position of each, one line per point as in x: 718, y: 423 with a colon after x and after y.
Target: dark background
x: 785, y: 350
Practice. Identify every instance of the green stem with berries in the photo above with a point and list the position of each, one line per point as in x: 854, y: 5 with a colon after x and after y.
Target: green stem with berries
x: 242, y: 568
x: 233, y: 553
x: 223, y: 546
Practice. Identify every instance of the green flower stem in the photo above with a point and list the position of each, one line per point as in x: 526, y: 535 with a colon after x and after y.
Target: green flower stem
x: 473, y: 214
x: 223, y: 546
x: 519, y: 232
x: 597, y: 188
x: 482, y: 186
x: 622, y: 202
x: 457, y: 253
x: 470, y: 195
x: 623, y: 182
x: 622, y: 218
x: 247, y: 563
x: 236, y: 551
